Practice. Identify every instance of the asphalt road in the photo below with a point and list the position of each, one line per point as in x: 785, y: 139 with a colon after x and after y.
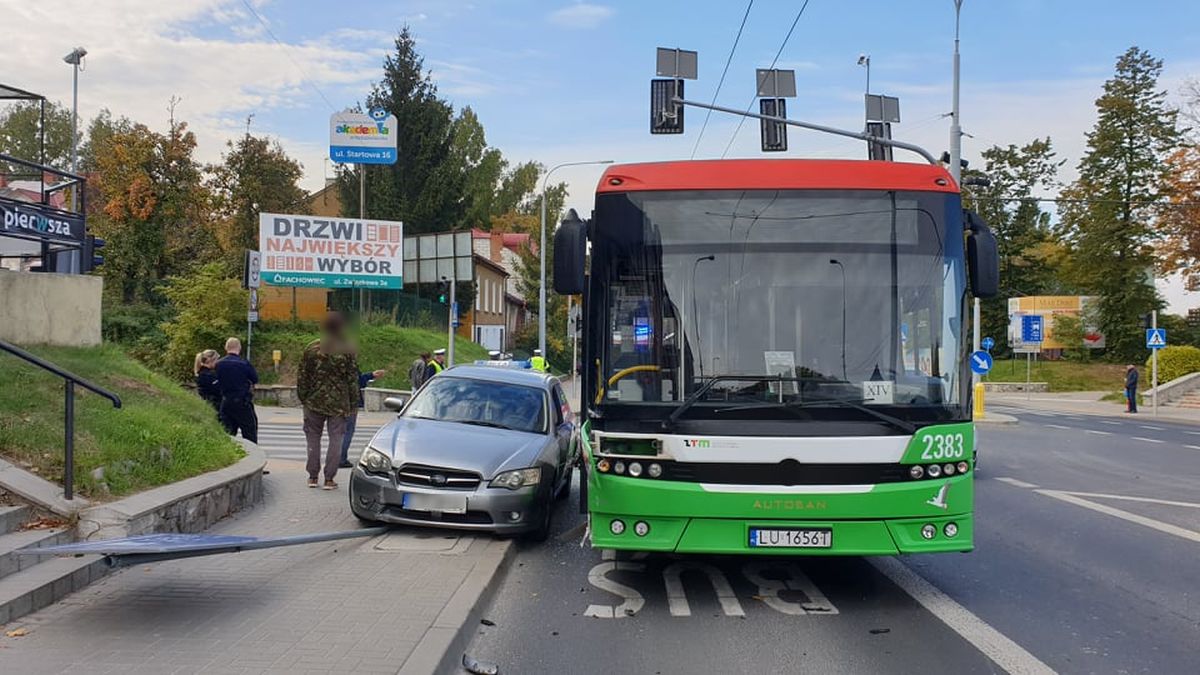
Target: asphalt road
x: 1068, y: 574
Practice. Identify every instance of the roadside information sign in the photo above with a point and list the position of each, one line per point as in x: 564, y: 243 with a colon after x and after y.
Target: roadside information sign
x: 1032, y: 328
x: 355, y: 138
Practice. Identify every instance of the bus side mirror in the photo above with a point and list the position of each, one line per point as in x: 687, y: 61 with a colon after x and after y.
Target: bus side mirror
x: 983, y: 257
x: 570, y: 255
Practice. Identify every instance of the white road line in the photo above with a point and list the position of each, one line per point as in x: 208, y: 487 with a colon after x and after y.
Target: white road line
x: 1110, y: 422
x: 1147, y: 440
x: 1017, y: 483
x: 1147, y: 426
x: 1098, y: 432
x: 1192, y: 447
x: 1192, y: 433
x: 1148, y: 500
x: 1168, y: 528
x: 995, y: 645
x: 1056, y: 426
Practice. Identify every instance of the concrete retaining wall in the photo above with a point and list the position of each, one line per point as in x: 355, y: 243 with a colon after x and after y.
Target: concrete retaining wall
x: 285, y: 396
x: 50, y: 309
x: 190, y: 505
x: 1176, y: 389
x: 1016, y: 386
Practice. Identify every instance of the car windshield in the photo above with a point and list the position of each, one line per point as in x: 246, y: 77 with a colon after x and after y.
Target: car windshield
x: 480, y: 402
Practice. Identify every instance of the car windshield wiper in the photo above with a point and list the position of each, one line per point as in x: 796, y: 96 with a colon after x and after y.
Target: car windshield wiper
x: 891, y: 420
x: 669, y: 423
x: 483, y: 423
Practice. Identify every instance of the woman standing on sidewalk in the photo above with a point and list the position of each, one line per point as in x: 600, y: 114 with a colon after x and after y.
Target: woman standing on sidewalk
x: 206, y: 378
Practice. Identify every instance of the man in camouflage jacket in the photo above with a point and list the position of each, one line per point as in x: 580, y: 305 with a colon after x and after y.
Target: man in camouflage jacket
x: 327, y: 385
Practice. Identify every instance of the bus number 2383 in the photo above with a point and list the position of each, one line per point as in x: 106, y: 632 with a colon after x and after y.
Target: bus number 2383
x: 944, y: 446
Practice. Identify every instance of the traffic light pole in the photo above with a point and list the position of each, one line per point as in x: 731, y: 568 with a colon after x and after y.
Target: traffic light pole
x: 452, y: 319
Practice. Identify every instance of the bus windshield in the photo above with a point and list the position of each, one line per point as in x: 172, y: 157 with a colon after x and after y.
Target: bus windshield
x: 751, y: 300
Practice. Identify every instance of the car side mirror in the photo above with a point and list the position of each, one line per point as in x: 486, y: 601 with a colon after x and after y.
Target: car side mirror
x: 394, y: 403
x: 983, y: 257
x: 570, y: 255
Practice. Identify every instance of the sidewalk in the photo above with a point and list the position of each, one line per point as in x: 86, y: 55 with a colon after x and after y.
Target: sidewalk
x: 1089, y: 403
x: 388, y: 604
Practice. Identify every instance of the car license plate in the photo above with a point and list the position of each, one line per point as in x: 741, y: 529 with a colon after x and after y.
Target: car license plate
x: 417, y: 501
x: 790, y: 538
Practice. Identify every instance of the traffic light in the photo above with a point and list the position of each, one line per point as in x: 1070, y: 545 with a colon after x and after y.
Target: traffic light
x: 443, y: 291
x: 1146, y: 321
x: 89, y: 257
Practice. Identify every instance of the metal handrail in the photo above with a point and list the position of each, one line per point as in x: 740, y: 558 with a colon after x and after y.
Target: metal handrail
x: 69, y: 381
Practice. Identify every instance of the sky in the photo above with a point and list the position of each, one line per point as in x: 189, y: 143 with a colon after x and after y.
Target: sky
x: 564, y: 81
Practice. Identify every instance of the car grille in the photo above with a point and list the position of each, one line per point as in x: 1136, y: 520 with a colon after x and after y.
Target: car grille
x: 437, y: 477
x: 468, y: 518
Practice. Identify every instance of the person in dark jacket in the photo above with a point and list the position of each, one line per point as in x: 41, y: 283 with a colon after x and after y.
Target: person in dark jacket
x: 1131, y: 385
x: 206, y: 378
x: 236, y: 379
x: 352, y: 421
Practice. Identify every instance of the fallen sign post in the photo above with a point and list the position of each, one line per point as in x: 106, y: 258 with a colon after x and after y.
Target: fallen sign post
x: 149, y: 548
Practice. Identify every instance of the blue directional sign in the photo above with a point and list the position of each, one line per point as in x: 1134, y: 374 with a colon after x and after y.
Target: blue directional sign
x: 987, y: 343
x: 981, y: 362
x: 1032, y: 328
x: 1156, y: 338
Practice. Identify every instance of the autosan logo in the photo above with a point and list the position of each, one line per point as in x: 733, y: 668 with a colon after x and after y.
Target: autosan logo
x: 789, y: 504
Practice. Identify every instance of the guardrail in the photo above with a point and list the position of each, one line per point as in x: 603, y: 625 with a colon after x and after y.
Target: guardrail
x: 69, y: 382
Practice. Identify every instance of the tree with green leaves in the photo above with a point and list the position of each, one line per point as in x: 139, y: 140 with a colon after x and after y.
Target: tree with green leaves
x: 412, y: 190
x: 1030, y: 255
x: 1108, y: 216
x: 255, y: 176
x: 20, y: 133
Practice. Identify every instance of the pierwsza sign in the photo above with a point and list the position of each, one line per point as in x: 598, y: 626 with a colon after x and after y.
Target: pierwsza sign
x: 331, y: 252
x: 37, y: 221
x: 355, y: 138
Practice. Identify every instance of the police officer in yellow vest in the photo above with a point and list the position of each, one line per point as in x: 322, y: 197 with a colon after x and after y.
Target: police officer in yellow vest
x: 538, y: 362
x: 437, y: 365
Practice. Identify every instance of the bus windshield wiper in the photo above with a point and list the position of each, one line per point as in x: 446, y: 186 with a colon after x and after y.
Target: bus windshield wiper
x: 669, y: 423
x: 891, y: 420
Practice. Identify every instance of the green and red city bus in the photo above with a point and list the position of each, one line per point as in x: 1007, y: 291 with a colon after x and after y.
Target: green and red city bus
x: 774, y: 356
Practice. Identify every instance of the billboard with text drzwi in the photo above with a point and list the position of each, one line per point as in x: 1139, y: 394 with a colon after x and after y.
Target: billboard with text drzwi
x: 299, y: 250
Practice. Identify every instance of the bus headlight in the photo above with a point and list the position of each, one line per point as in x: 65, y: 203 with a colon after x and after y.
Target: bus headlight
x: 916, y: 471
x: 929, y: 531
x: 635, y: 469
x: 603, y: 466
x: 950, y: 530
x: 619, y: 467
x: 934, y: 471
x: 963, y: 467
x: 654, y: 471
x: 616, y: 526
x: 948, y: 470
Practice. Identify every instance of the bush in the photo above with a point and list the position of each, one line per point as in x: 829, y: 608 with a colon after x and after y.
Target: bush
x: 1175, y: 362
x: 210, y: 308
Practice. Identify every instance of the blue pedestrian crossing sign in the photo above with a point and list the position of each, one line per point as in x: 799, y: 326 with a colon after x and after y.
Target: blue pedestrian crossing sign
x: 987, y: 343
x: 1156, y: 338
x: 1031, y: 328
x: 981, y: 362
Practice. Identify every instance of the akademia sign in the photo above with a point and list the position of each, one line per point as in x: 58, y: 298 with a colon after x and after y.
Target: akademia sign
x: 355, y: 138
x: 330, y: 252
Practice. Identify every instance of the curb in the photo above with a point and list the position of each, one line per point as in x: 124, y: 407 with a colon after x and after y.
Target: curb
x: 997, y: 420
x: 440, y: 649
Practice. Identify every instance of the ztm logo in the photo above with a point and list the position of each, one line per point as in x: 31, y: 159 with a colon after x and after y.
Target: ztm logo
x: 696, y: 443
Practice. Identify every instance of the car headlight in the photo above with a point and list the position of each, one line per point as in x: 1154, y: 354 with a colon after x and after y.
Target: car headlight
x: 374, y: 461
x: 515, y: 480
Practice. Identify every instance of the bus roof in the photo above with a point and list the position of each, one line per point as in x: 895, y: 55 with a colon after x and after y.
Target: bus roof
x: 776, y: 174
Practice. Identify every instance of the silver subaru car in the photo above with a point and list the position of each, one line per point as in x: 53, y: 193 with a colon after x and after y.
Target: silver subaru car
x: 482, y: 447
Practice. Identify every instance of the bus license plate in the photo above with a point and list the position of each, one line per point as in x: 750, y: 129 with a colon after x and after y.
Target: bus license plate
x: 771, y: 538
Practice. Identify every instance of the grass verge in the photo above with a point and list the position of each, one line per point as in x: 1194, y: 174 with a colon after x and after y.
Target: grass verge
x: 161, y: 434
x: 389, y: 348
x: 1061, y: 375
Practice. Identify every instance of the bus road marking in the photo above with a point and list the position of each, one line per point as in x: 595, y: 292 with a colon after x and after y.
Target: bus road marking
x: 1175, y: 530
x: 1098, y: 432
x: 995, y: 645
x: 1057, y: 426
x: 677, y: 599
x: 1146, y: 440
x: 797, y: 580
x: 1017, y: 483
x: 632, y: 600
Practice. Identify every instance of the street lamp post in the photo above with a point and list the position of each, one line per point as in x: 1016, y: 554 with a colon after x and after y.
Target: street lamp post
x: 542, y: 253
x: 956, y: 135
x: 75, y: 58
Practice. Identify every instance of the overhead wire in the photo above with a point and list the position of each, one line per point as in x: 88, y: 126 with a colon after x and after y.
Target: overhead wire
x: 773, y: 62
x: 287, y: 52
x: 729, y: 59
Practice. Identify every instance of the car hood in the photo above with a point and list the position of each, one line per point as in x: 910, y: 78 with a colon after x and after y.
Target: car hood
x: 458, y: 446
